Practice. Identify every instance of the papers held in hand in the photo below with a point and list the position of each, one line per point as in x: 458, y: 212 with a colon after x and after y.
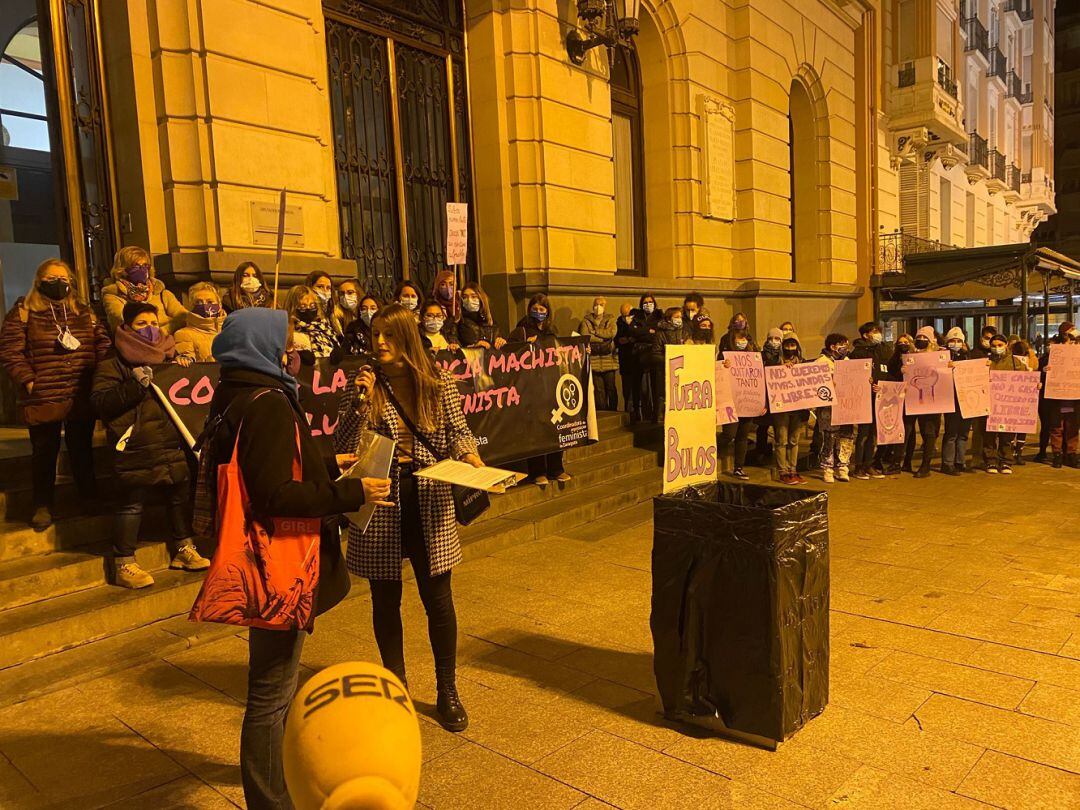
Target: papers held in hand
x: 489, y: 479
x: 374, y: 453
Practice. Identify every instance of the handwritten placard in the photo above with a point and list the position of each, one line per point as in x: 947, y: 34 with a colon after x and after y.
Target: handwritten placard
x: 853, y: 405
x: 457, y: 232
x: 929, y: 383
x: 799, y: 386
x: 1014, y: 402
x: 725, y: 397
x: 972, y: 381
x: 690, y: 418
x: 1063, y: 371
x: 889, y: 412
x: 747, y: 383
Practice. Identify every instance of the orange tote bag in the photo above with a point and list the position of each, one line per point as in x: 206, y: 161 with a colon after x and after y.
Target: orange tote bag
x: 264, y: 573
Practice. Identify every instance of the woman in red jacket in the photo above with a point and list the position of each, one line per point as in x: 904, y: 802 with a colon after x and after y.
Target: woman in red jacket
x: 50, y: 344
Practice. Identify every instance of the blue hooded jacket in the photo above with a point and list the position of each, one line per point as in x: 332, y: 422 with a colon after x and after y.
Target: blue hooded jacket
x: 253, y: 339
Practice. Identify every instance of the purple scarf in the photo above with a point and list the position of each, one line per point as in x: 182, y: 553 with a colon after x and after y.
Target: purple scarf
x: 135, y: 351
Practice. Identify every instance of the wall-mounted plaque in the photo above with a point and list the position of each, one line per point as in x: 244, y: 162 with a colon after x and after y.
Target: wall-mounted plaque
x: 264, y: 224
x: 718, y: 158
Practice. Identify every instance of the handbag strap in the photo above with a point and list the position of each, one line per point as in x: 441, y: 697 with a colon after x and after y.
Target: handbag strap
x: 409, y: 423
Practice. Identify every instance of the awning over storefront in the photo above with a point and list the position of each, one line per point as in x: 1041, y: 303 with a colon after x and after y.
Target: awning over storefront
x: 1002, y: 272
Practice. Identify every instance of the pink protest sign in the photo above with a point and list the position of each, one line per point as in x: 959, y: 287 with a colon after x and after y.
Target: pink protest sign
x: 929, y: 383
x: 723, y: 396
x: 972, y: 381
x: 747, y: 383
x: 1014, y: 402
x: 1063, y: 371
x: 853, y: 405
x: 889, y: 412
x: 800, y: 386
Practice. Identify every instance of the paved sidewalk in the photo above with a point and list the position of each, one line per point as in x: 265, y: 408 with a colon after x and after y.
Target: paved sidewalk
x: 955, y: 678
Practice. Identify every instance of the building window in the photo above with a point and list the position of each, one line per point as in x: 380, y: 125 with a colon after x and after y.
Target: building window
x: 22, y: 92
x: 969, y: 219
x: 627, y: 156
x: 802, y: 143
x: 945, y: 201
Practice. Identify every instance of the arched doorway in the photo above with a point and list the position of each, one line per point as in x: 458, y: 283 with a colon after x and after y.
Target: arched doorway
x: 627, y: 151
x: 805, y: 228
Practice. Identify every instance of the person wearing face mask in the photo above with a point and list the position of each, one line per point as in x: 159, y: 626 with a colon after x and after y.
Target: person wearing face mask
x: 347, y: 306
x: 149, y: 449
x: 248, y: 289
x: 788, y: 427
x: 954, y: 440
x: 313, y: 335
x: 437, y: 332
x: 477, y: 328
x: 837, y: 441
x: 204, y: 318
x: 134, y: 281
x: 1022, y: 350
x: 536, y: 327
x: 738, y: 322
x: 49, y: 345
x: 356, y: 341
x: 1062, y: 416
x: 600, y: 327
x: 668, y: 333
x: 997, y: 446
x: 981, y: 350
x: 320, y: 283
x: 737, y: 434
x: 929, y: 425
x: 256, y: 415
x: 770, y: 356
x: 444, y: 290
x: 629, y: 368
x: 408, y: 295
x: 693, y: 309
x: 870, y: 345
x: 643, y: 328
x: 891, y: 455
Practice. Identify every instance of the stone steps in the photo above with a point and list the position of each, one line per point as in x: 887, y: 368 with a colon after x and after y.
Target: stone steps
x: 54, y: 596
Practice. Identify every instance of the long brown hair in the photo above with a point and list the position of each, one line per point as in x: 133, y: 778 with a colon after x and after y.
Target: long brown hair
x: 485, y: 304
x: 36, y: 302
x: 399, y: 325
x: 238, y: 276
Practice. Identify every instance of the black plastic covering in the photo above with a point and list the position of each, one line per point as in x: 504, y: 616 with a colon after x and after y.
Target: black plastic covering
x: 740, y: 607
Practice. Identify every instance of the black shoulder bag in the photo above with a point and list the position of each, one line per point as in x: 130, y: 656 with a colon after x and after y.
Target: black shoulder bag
x: 469, y: 503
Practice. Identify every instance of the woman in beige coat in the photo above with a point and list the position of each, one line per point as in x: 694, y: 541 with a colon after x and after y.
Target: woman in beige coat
x: 204, y: 319
x: 134, y: 280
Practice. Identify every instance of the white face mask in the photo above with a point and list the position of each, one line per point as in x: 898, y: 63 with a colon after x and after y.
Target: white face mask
x: 648, y: 307
x: 349, y: 301
x: 433, y: 325
x: 409, y: 302
x: 250, y: 284
x: 955, y: 346
x: 876, y: 337
x: 471, y: 304
x: 997, y: 351
x: 598, y: 310
x: 323, y: 296
x: 677, y: 323
x: 366, y: 315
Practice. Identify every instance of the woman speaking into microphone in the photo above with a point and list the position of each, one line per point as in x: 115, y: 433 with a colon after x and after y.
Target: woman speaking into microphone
x: 407, y: 398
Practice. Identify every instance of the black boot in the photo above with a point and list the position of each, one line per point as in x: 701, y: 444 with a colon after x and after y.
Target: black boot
x: 1058, y: 461
x: 1018, y: 459
x: 1072, y: 461
x: 399, y: 672
x: 927, y: 457
x: 452, y: 715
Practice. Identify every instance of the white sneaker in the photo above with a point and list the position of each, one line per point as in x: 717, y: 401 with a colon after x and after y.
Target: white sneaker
x: 842, y: 474
x: 187, y: 558
x: 827, y: 476
x: 131, y: 575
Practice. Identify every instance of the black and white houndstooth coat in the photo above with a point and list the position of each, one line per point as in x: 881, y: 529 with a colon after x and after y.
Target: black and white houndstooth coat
x: 376, y: 554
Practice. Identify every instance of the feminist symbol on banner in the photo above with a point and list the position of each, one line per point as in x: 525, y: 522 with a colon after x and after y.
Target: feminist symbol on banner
x: 568, y: 398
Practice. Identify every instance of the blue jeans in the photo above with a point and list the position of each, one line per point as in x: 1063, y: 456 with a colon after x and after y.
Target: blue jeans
x: 954, y: 445
x: 273, y: 667
x: 129, y: 517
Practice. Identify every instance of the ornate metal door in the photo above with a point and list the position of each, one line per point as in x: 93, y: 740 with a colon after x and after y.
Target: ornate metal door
x: 398, y: 103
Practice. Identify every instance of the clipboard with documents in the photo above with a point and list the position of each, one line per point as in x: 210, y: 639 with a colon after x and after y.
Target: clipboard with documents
x: 489, y: 479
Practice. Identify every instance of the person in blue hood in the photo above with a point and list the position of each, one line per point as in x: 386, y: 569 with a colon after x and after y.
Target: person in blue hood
x: 251, y: 350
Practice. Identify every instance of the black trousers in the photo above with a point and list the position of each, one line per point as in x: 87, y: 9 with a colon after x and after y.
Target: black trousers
x: 631, y: 387
x: 737, y: 434
x: 607, y: 397
x: 129, y: 517
x: 45, y: 447
x: 434, y: 591
x: 654, y: 397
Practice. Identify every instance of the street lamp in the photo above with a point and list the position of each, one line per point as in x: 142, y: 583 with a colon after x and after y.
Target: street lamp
x: 605, y: 22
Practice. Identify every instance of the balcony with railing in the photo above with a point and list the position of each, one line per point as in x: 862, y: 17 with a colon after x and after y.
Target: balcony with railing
x: 893, y: 247
x: 1026, y: 95
x: 1024, y: 10
x: 1012, y: 181
x: 1013, y: 85
x: 998, y: 64
x: 996, y: 164
x: 905, y: 76
x: 976, y: 37
x: 945, y: 78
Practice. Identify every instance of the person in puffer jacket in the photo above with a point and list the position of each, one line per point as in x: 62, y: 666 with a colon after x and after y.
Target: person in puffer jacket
x: 870, y: 345
x: 954, y: 442
x: 49, y: 345
x: 149, y: 450
x: 788, y: 427
x: 997, y: 445
x: 929, y: 424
